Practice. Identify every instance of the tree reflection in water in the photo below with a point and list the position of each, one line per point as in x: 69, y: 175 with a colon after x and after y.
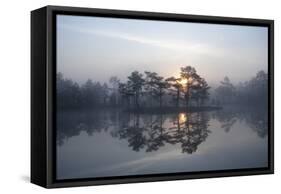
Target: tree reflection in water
x: 227, y: 119
x: 191, y: 130
x: 255, y: 118
x: 72, y: 123
x: 150, y: 132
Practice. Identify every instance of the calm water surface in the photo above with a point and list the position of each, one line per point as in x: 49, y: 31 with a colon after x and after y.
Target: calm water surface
x: 113, y: 143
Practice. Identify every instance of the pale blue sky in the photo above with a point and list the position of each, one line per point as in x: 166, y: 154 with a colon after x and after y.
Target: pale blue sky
x: 97, y: 48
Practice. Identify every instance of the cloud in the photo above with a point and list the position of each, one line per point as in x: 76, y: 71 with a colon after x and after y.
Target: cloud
x: 176, y: 45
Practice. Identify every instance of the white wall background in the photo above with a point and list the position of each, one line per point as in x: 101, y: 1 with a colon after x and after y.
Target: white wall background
x: 15, y: 95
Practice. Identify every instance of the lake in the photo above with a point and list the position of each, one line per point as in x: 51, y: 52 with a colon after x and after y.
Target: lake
x: 111, y: 142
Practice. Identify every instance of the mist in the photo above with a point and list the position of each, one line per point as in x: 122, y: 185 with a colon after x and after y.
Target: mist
x: 97, y: 48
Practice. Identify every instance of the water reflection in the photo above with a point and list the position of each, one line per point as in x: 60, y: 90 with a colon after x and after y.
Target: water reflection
x: 151, y: 132
x: 73, y: 123
x: 256, y: 119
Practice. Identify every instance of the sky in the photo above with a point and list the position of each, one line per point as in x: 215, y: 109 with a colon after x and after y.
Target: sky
x: 97, y: 48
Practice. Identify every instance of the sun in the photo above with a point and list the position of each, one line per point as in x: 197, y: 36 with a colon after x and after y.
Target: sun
x: 183, y: 81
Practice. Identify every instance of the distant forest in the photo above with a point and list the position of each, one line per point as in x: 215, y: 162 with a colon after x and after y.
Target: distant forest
x: 149, y: 89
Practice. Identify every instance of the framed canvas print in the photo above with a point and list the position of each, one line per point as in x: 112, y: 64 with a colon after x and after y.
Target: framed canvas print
x: 125, y: 96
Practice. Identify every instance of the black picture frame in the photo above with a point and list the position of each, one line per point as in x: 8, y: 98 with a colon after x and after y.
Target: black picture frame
x: 43, y: 90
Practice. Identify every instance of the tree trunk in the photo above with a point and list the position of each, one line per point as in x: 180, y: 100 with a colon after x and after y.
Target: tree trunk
x: 202, y: 102
x: 187, y: 96
x: 137, y: 100
x: 128, y: 101
x: 186, y: 100
x: 178, y: 98
x: 160, y: 98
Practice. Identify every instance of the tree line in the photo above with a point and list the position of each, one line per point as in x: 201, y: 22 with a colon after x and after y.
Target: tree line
x: 253, y: 92
x: 149, y: 89
x: 140, y: 90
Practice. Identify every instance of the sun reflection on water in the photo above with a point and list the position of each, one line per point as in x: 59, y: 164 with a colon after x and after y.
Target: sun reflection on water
x: 182, y: 117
